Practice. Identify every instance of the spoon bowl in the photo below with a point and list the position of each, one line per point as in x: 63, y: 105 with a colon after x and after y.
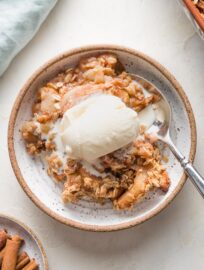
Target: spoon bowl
x: 161, y: 129
x: 160, y: 126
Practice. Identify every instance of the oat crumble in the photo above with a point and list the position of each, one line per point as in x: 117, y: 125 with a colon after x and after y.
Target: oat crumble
x: 125, y: 175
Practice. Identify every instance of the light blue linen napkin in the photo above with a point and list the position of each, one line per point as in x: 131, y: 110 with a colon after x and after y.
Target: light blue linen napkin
x: 19, y: 21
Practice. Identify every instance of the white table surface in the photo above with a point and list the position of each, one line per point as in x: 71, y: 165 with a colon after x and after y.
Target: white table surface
x: 175, y: 238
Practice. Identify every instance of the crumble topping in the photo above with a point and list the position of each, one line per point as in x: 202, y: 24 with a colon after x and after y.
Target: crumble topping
x: 123, y: 176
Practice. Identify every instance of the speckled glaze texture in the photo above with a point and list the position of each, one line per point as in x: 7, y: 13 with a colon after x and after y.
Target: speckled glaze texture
x: 31, y: 243
x: 32, y: 175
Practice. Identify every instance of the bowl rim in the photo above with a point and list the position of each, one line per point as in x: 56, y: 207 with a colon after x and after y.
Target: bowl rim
x: 17, y: 104
x: 36, y: 239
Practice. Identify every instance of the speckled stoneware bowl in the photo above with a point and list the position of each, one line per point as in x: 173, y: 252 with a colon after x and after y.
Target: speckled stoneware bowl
x: 84, y: 214
x: 32, y: 244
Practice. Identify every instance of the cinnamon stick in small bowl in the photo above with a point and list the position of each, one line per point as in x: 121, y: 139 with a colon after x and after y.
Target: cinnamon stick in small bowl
x: 31, y: 266
x: 22, y: 260
x: 21, y: 256
x: 2, y: 252
x: 3, y: 238
x: 11, y: 253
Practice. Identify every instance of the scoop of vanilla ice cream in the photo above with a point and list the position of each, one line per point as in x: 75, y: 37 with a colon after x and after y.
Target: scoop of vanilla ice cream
x: 97, y: 126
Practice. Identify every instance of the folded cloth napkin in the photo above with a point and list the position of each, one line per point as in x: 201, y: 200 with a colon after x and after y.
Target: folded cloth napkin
x: 19, y: 21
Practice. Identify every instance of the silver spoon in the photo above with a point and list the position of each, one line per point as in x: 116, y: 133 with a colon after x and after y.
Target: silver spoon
x: 160, y: 128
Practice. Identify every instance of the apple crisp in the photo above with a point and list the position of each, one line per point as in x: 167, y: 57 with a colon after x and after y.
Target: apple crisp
x: 123, y: 176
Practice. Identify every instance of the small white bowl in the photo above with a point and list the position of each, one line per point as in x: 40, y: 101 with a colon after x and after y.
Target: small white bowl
x: 32, y: 244
x: 88, y: 215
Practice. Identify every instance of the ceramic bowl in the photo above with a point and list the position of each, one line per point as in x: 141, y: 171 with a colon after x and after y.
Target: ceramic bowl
x: 85, y: 214
x: 32, y: 244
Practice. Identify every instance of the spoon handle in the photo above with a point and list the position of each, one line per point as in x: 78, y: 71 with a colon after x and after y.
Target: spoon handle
x: 189, y: 169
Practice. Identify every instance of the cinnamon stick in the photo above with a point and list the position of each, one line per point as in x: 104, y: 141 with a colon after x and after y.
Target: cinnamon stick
x: 11, y: 252
x: 21, y: 256
x: 31, y: 266
x: 3, y: 238
x: 23, y: 260
x: 2, y: 252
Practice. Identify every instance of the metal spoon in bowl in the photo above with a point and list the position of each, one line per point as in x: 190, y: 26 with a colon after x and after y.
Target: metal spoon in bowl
x: 160, y: 128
